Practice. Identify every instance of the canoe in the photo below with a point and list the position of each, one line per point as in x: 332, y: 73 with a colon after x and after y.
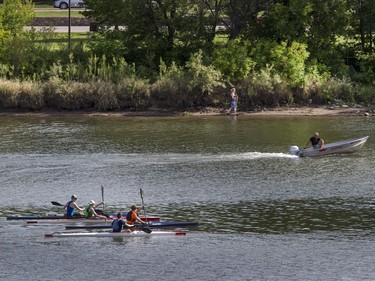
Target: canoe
x: 135, y: 233
x: 345, y: 146
x: 151, y: 224
x: 62, y: 217
x: 82, y: 220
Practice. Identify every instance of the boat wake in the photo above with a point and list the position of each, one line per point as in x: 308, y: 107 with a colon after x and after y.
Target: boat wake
x: 206, y: 158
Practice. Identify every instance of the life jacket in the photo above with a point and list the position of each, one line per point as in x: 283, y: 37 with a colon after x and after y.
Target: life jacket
x: 69, y: 210
x: 86, y: 212
x: 130, y: 219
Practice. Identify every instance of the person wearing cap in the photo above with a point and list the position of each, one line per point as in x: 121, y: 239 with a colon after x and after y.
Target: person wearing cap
x: 90, y: 212
x: 316, y: 141
x: 71, y: 206
x: 132, y: 217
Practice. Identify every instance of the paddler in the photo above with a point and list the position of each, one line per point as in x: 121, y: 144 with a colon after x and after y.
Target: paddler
x: 132, y: 217
x: 90, y: 212
x: 119, y: 224
x: 71, y: 206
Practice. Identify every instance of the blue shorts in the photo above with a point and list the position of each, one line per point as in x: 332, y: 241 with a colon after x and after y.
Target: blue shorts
x: 233, y: 104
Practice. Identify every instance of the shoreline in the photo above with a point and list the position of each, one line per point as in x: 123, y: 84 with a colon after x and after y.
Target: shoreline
x: 278, y: 112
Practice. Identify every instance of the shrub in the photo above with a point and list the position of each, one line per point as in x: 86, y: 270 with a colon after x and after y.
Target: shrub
x: 134, y: 93
x: 334, y: 88
x: 25, y: 95
x: 233, y: 60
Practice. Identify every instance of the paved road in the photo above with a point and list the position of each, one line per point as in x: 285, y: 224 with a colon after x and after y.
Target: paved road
x: 63, y: 29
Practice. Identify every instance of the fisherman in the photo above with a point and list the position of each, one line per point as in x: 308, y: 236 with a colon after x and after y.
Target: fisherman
x: 132, y: 217
x: 316, y: 141
x: 71, y: 206
x: 90, y: 212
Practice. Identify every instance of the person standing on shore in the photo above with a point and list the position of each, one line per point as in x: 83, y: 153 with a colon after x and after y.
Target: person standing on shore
x: 233, y: 102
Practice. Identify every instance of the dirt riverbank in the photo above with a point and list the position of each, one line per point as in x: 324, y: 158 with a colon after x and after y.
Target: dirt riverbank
x: 282, y: 111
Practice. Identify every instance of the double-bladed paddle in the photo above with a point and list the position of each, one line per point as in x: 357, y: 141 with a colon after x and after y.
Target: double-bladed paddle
x: 143, y: 228
x: 102, y: 196
x: 57, y: 204
x: 140, y: 227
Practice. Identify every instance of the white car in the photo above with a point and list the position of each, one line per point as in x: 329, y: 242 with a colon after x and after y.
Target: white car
x: 64, y: 4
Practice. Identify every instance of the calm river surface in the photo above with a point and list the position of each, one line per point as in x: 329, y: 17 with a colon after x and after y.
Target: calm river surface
x: 264, y: 214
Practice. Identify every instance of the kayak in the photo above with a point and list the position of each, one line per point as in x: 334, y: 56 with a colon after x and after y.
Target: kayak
x: 150, y: 224
x: 345, y: 146
x: 62, y: 221
x: 135, y: 233
x: 62, y: 217
x: 81, y: 220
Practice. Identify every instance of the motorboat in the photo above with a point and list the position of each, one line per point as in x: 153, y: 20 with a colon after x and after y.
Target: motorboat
x: 344, y: 146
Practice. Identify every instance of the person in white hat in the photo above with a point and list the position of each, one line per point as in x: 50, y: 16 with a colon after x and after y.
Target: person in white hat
x: 71, y: 206
x: 90, y: 212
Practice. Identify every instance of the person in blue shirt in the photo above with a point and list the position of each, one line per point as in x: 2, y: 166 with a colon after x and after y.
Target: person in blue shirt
x: 119, y: 224
x: 71, y: 206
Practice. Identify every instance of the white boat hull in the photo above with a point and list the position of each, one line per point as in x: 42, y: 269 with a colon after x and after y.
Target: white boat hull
x: 345, y: 146
x: 135, y: 233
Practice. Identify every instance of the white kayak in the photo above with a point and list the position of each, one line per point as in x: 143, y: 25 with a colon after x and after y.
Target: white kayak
x: 345, y: 146
x: 135, y: 233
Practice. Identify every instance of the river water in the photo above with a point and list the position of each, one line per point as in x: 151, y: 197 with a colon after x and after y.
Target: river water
x: 264, y: 214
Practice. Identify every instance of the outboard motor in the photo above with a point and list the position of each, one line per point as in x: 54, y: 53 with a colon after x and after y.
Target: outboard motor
x: 294, y: 150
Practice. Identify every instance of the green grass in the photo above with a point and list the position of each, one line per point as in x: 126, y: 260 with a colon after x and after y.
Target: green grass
x: 57, y: 13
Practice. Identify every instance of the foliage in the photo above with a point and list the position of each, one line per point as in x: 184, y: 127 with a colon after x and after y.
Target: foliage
x: 337, y: 89
x: 15, y: 14
x: 25, y: 95
x: 233, y: 60
x: 288, y: 61
x: 267, y: 88
x: 167, y: 53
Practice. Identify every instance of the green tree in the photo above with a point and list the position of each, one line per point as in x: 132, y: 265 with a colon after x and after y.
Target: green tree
x: 15, y: 14
x: 14, y: 41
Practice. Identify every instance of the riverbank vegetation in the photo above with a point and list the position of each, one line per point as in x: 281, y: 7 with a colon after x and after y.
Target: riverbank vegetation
x: 184, y: 55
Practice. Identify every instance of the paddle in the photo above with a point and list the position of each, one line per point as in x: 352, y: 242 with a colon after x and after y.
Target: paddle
x: 143, y: 203
x: 102, y: 196
x: 143, y: 228
x: 57, y: 204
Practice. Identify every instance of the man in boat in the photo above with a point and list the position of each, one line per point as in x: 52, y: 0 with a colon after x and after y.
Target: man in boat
x: 316, y: 141
x: 132, y: 217
x: 71, y: 206
x: 90, y: 212
x: 119, y: 224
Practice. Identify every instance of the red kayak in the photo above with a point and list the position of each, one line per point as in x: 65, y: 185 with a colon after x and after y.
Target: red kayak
x: 83, y: 220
